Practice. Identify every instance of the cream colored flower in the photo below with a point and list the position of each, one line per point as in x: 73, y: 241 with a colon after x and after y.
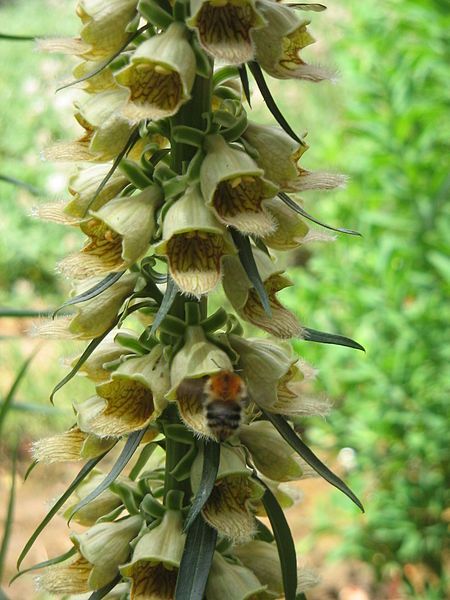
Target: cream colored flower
x: 246, y: 301
x: 160, y: 75
x: 120, y: 233
x: 71, y: 445
x: 278, y: 44
x: 230, y: 507
x: 102, y: 505
x: 156, y: 558
x: 223, y: 28
x: 232, y: 581
x: 194, y: 243
x: 131, y: 399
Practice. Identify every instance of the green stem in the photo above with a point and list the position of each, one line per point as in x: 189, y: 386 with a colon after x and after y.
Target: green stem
x: 191, y: 114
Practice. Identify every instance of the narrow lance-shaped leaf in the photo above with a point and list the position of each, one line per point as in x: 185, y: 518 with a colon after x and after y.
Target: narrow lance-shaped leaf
x: 298, y: 209
x: 5, y: 406
x: 19, y: 183
x: 46, y: 563
x: 107, y: 62
x: 103, y: 285
x: 129, y: 449
x: 312, y: 335
x: 17, y: 38
x: 284, y: 541
x: 55, y: 508
x: 8, y: 522
x: 248, y: 262
x: 211, y: 458
x: 308, y: 456
x: 196, y: 561
x: 270, y: 102
x: 166, y: 304
x: 245, y: 83
x: 101, y: 593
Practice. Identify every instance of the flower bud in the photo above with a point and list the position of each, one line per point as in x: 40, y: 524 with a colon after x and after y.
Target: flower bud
x: 160, y: 75
x: 278, y: 44
x: 69, y: 446
x: 194, y: 243
x: 271, y: 455
x: 223, y: 28
x: 120, y: 234
x: 235, y: 188
x: 156, y: 558
x: 229, y: 509
x: 233, y: 582
x: 246, y: 301
x: 130, y: 400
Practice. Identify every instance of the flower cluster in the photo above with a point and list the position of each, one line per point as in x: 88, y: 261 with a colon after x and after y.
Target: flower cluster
x: 177, y: 192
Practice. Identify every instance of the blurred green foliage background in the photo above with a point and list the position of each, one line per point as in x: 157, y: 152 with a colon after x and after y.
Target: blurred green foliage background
x: 385, y: 125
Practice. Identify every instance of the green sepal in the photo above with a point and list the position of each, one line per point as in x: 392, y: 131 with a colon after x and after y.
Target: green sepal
x: 183, y: 134
x: 151, y: 506
x: 224, y: 74
x: 192, y: 314
x: 216, y: 321
x: 111, y: 516
x: 148, y: 341
x: 180, y: 10
x: 129, y: 341
x: 182, y: 470
x: 174, y: 500
x: 135, y: 174
x: 178, y: 433
x: 145, y: 454
x: 172, y: 326
x: 130, y: 496
x: 163, y: 173
x: 236, y: 130
x: 154, y: 13
x: 193, y: 171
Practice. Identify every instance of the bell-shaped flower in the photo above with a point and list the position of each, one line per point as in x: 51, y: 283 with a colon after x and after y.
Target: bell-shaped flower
x: 97, y: 366
x: 119, y: 234
x: 223, y: 28
x: 83, y: 187
x: 262, y: 558
x: 233, y: 582
x: 71, y: 445
x: 246, y: 301
x: 278, y: 155
x: 100, y: 550
x: 93, y: 317
x: 101, y: 506
x: 160, y: 75
x: 234, y: 186
x: 190, y: 369
x: 105, y: 23
x: 230, y: 507
x: 271, y: 454
x: 153, y: 568
x: 291, y: 231
x: 278, y: 44
x: 131, y: 399
x: 194, y: 243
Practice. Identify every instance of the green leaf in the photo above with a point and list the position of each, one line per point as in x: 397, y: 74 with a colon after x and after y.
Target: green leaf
x: 154, y: 13
x: 46, y: 563
x: 135, y: 174
x: 285, y: 543
x: 270, y: 102
x: 196, y: 561
x: 107, y: 62
x: 129, y: 449
x: 312, y: 335
x: 298, y: 209
x: 289, y: 435
x: 99, y: 594
x: 93, y: 292
x: 6, y: 405
x: 55, y: 508
x: 145, y: 454
x: 245, y: 83
x: 20, y: 313
x: 8, y: 522
x: 18, y: 38
x: 263, y: 532
x: 19, y: 183
x: 308, y: 7
x: 248, y: 262
x: 166, y: 304
x: 211, y: 459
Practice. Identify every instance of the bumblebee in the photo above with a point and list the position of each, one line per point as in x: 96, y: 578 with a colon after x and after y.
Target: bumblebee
x: 224, y: 395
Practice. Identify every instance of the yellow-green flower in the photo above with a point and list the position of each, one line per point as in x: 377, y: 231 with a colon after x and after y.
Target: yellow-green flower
x: 71, y: 445
x: 102, y: 505
x: 119, y: 234
x: 278, y: 44
x: 223, y: 28
x: 156, y: 558
x: 235, y: 188
x: 291, y: 231
x: 94, y: 316
x: 131, y: 399
x: 230, y: 507
x: 160, y: 75
x: 108, y: 351
x: 194, y: 243
x: 245, y: 300
x: 232, y: 581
